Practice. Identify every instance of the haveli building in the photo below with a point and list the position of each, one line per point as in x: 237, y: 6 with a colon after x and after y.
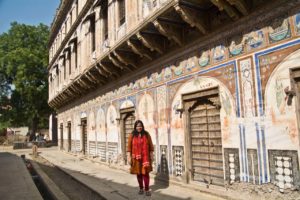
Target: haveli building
x: 216, y: 83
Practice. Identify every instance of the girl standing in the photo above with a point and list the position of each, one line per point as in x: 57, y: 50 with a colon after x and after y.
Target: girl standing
x: 140, y: 155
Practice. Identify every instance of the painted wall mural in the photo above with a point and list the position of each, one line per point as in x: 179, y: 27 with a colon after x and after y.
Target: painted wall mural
x: 266, y: 62
x: 204, y: 58
x: 247, y: 87
x: 219, y: 53
x: 281, y: 124
x: 100, y: 126
x: 162, y: 114
x: 255, y: 39
x: 236, y: 47
x: 279, y: 30
x: 297, y: 23
x: 227, y: 109
x: 146, y: 112
x: 112, y: 126
x: 91, y: 126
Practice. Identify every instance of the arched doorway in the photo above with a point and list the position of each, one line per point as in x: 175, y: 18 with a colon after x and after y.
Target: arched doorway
x: 202, y: 111
x: 127, y: 125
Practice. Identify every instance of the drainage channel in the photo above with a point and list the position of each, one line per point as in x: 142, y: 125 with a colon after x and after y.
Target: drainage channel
x: 68, y: 186
x: 38, y: 181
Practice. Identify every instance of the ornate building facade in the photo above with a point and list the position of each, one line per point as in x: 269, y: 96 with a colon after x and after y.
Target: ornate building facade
x: 216, y: 83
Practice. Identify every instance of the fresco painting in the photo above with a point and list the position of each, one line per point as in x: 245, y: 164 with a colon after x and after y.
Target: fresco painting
x: 162, y: 114
x: 146, y: 111
x: 100, y: 126
x: 112, y: 126
x: 281, y: 116
x: 204, y: 59
x: 279, y: 30
x: 247, y: 87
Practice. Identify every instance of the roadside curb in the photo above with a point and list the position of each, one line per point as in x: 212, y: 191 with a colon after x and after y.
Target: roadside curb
x: 105, y: 194
x: 218, y: 192
x: 51, y: 186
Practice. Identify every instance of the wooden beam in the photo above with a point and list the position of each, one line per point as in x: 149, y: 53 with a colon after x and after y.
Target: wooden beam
x: 152, y: 42
x: 241, y: 5
x: 97, y: 79
x: 110, y: 68
x: 139, y: 49
x: 89, y: 82
x: 115, y: 61
x: 172, y: 32
x: 224, y: 5
x: 101, y: 71
x: 193, y: 17
x: 93, y: 81
x: 75, y: 89
x: 83, y: 84
x: 125, y: 58
x: 59, y: 97
x: 71, y: 92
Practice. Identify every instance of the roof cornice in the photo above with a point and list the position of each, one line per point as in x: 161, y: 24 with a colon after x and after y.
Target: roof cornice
x: 79, y: 18
x: 60, y: 16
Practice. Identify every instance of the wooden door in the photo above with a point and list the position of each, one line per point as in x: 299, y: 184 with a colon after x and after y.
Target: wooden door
x: 61, y: 136
x: 206, y: 144
x: 69, y: 137
x: 128, y: 128
x: 84, y: 136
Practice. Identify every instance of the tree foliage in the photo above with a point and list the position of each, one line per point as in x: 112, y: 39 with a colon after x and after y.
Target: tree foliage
x: 23, y: 76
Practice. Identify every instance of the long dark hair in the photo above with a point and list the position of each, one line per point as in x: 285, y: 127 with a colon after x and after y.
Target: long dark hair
x: 135, y: 132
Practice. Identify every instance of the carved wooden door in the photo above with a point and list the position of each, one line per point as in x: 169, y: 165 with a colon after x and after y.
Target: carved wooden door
x: 69, y: 137
x: 206, y: 144
x: 61, y: 136
x: 128, y: 126
x: 84, y: 134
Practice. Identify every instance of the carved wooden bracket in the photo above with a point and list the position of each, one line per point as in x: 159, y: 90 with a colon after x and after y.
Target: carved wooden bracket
x: 139, y: 49
x: 110, y: 68
x: 180, y: 110
x: 192, y: 17
x: 172, y: 32
x: 152, y: 42
x: 101, y: 73
x: 73, y: 92
x: 115, y: 61
x: 241, y: 5
x: 59, y: 97
x: 215, y: 101
x: 90, y: 78
x: 224, y: 5
x: 96, y: 79
x: 125, y: 58
x: 83, y: 84
x: 75, y: 88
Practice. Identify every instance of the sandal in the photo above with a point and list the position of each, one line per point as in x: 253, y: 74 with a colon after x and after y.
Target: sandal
x: 141, y: 191
x: 148, y: 193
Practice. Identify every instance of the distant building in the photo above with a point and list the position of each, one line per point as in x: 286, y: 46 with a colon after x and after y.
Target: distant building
x: 17, y: 131
x: 215, y: 82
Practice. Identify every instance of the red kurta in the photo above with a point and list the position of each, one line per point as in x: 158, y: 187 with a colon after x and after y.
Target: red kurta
x: 136, y: 165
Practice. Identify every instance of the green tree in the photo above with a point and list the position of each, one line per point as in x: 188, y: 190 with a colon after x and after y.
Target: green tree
x: 23, y: 76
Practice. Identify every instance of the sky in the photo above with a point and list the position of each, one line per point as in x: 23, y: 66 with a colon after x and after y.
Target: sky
x: 31, y: 12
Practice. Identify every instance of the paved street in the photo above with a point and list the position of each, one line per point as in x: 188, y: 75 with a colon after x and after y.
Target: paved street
x: 110, y: 183
x: 15, y: 180
x: 116, y: 184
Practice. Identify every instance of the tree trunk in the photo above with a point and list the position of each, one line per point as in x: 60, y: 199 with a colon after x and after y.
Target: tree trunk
x: 34, y: 127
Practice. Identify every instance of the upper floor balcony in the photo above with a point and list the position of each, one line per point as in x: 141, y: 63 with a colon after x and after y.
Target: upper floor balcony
x: 174, y: 26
